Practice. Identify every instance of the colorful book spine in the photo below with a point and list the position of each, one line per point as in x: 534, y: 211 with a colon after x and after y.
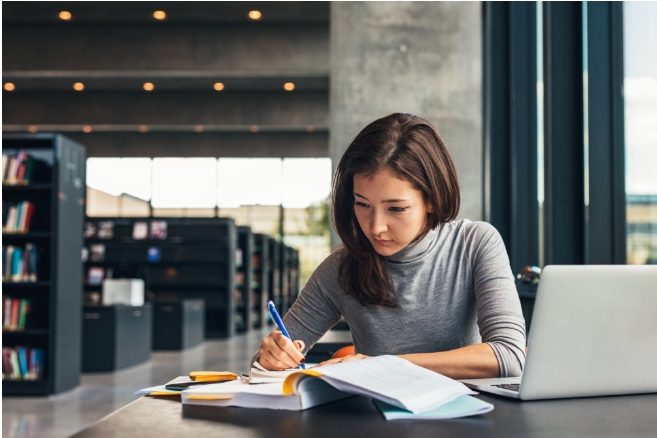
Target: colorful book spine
x: 18, y: 169
x: 17, y: 216
x: 16, y: 314
x: 22, y: 363
x: 6, y: 315
x: 20, y: 264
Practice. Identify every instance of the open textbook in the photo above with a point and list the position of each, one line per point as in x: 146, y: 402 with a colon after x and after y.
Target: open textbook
x: 390, y: 379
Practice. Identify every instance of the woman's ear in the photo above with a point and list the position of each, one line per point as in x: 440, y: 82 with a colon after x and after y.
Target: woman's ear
x: 430, y: 208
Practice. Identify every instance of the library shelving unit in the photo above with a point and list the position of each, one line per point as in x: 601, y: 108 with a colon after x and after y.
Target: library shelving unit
x: 289, y: 276
x: 244, y: 283
x: 275, y: 277
x: 294, y: 275
x: 178, y: 258
x: 261, y: 274
x: 57, y: 191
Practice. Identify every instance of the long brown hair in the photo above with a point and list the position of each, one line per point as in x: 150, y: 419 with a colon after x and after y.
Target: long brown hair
x: 411, y: 148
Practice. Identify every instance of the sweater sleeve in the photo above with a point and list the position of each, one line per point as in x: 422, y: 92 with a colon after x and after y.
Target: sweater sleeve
x: 317, y: 308
x: 499, y: 315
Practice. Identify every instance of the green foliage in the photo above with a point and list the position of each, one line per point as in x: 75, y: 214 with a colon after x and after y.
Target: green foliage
x: 318, y: 218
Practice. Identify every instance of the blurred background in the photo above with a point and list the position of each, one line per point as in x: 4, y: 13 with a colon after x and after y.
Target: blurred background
x: 235, y: 114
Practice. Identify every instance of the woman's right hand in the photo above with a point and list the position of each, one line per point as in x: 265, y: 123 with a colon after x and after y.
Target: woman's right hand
x: 278, y: 353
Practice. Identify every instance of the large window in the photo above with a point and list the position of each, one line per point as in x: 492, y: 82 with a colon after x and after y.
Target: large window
x: 641, y: 130
x: 285, y: 198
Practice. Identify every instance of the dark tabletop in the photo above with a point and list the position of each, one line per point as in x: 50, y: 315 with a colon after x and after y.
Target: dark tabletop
x: 620, y: 416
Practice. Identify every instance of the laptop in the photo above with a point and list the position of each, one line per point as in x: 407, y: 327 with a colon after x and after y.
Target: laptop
x: 594, y: 333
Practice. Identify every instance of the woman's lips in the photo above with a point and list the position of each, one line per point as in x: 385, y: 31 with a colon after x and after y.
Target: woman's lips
x: 381, y: 242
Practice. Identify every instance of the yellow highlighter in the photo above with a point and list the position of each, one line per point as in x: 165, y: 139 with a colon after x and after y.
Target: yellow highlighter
x: 212, y: 376
x: 210, y: 397
x: 158, y: 393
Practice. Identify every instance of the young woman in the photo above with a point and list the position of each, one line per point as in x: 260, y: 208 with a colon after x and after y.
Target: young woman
x: 408, y: 279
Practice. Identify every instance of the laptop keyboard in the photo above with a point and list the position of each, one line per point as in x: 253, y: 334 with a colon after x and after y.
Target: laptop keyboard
x: 510, y: 386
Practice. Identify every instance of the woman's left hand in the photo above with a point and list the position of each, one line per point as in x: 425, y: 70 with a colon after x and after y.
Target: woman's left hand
x: 343, y: 359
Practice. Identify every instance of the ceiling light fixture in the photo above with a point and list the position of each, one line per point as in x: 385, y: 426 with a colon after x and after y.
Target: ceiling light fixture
x: 9, y: 86
x: 218, y: 86
x: 198, y: 128
x: 78, y: 86
x: 143, y: 128
x: 159, y: 15
x: 255, y: 15
x: 65, y: 15
x: 32, y: 129
x: 148, y: 86
x: 254, y: 129
x: 86, y: 128
x: 289, y: 86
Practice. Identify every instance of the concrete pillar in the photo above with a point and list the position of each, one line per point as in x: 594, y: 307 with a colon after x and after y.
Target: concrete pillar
x: 423, y: 58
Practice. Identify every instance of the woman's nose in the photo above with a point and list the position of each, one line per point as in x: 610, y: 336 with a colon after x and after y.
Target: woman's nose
x: 378, y: 224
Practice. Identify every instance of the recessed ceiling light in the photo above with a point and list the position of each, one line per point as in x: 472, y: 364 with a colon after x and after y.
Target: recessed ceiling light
x: 310, y: 128
x: 289, y: 86
x: 218, y: 86
x: 78, y: 86
x: 143, y: 128
x: 32, y: 129
x: 254, y: 129
x: 198, y: 128
x: 255, y: 15
x: 9, y: 86
x: 86, y: 128
x: 148, y: 86
x: 159, y: 15
x: 65, y: 15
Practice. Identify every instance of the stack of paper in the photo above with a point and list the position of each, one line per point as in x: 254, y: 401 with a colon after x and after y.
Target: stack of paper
x: 259, y: 374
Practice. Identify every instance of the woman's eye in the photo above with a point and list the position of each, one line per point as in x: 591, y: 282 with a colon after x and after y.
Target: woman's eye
x: 398, y: 209
x: 360, y: 204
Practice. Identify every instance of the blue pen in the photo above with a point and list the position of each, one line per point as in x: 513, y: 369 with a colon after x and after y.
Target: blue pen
x: 279, y: 322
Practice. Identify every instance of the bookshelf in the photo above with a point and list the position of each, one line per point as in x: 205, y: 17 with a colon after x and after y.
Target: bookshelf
x: 186, y: 258
x: 244, y: 283
x: 275, y: 277
x: 54, y: 184
x: 289, y: 276
x: 261, y: 273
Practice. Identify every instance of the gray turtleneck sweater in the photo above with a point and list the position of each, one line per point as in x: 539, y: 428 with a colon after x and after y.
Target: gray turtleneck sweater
x: 454, y: 288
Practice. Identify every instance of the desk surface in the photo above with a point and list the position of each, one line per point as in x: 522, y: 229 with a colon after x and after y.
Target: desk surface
x: 622, y: 416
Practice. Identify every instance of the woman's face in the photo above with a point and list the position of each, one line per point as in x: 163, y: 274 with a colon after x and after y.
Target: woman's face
x: 390, y: 211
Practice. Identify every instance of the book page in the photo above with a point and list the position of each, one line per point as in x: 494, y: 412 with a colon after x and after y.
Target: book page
x: 396, y: 381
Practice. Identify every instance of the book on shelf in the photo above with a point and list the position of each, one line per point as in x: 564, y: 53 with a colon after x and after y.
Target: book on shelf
x: 20, y: 169
x: 19, y: 264
x: 158, y: 230
x: 95, y: 275
x: 97, y: 253
x: 23, y: 363
x: 238, y: 257
x: 106, y: 230
x: 140, y: 230
x: 89, y: 230
x: 16, y: 216
x: 17, y: 314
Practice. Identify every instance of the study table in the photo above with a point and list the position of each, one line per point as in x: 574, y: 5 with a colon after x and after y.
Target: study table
x: 618, y: 417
